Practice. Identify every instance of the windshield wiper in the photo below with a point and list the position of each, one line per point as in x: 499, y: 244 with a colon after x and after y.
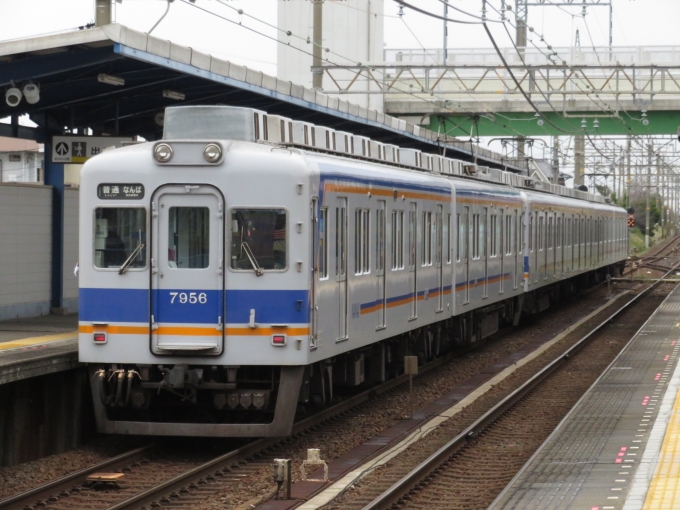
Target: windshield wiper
x: 251, y: 258
x: 129, y: 260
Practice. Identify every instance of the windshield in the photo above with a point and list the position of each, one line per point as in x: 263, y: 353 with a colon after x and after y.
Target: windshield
x: 118, y: 233
x: 263, y: 233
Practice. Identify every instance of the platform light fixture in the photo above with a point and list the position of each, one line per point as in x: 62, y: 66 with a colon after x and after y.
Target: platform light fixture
x: 110, y: 79
x: 31, y: 93
x: 173, y: 94
x: 13, y: 96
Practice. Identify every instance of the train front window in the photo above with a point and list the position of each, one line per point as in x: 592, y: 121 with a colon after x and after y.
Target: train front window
x: 120, y: 232
x: 258, y: 239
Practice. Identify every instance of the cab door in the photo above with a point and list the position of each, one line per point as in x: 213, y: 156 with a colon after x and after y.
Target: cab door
x: 187, y: 260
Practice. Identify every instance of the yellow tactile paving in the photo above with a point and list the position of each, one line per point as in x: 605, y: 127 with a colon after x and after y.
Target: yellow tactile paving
x: 664, y: 488
x: 27, y: 342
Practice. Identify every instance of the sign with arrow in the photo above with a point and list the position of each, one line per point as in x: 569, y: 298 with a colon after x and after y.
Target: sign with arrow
x: 78, y: 149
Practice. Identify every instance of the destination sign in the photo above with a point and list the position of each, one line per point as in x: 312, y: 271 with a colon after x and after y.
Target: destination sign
x: 120, y: 191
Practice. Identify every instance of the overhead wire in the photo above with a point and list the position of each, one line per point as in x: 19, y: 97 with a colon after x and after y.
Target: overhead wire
x: 328, y: 50
x: 401, y: 2
x: 576, y: 83
x: 450, y: 20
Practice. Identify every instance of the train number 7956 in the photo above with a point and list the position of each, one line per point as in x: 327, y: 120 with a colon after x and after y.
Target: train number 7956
x: 189, y: 297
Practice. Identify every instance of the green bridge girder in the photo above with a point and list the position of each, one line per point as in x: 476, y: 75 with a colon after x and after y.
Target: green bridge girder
x: 514, y: 124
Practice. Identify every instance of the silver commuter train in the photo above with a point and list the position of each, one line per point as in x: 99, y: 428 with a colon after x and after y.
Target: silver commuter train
x: 248, y: 263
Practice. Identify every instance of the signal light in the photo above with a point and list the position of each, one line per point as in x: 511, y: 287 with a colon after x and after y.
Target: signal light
x: 100, y: 338
x: 279, y: 340
x: 631, y: 220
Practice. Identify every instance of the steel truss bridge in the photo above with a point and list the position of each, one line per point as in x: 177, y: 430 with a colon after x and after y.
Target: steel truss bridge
x: 629, y: 89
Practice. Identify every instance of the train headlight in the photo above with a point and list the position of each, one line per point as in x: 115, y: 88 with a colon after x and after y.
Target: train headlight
x: 162, y: 153
x: 212, y: 153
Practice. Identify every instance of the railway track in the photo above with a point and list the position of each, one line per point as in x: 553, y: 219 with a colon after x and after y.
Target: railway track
x: 502, y: 438
x: 152, y: 481
x: 151, y: 477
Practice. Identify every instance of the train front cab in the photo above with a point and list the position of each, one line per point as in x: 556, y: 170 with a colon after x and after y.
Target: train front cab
x: 173, y: 334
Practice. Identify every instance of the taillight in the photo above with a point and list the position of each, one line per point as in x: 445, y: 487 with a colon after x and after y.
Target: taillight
x: 279, y: 340
x: 100, y: 338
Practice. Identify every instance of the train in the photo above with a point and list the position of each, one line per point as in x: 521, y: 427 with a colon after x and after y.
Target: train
x: 247, y: 264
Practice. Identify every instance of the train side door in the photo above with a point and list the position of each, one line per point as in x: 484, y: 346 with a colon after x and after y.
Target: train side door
x: 380, y: 250
x: 439, y: 236
x: 464, y: 236
x: 341, y: 265
x: 483, y: 239
x: 501, y: 246
x: 517, y: 247
x: 187, y: 260
x: 319, y: 266
x: 412, y: 246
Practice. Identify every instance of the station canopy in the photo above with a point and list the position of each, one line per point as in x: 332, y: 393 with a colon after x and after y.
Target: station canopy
x: 116, y: 81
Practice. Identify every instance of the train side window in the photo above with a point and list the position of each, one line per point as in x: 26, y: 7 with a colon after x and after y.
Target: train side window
x: 475, y: 236
x: 551, y: 233
x: 567, y: 233
x: 340, y: 242
x: 412, y: 221
x: 458, y: 237
x: 380, y: 238
x: 447, y: 234
x: 426, y: 253
x: 540, y: 233
x: 400, y: 240
x: 260, y: 234
x: 439, y: 235
x: 323, y: 243
x: 558, y: 237
x: 507, y: 234
x: 493, y: 249
x: 361, y: 241
x: 119, y: 231
x: 531, y: 232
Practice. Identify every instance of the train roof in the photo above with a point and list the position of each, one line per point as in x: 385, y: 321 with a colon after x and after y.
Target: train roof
x: 251, y: 125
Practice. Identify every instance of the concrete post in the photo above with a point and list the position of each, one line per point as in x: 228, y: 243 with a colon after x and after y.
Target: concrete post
x: 628, y: 172
x: 317, y: 35
x: 556, y: 159
x: 102, y: 12
x: 579, y: 160
x: 650, y: 151
x: 54, y: 176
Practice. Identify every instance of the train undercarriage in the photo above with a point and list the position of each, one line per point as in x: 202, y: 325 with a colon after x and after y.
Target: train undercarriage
x: 248, y: 401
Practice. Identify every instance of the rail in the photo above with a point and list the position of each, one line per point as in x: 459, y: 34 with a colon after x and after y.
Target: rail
x: 394, y: 493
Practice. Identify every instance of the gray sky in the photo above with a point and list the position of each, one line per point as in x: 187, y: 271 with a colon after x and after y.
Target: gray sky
x: 636, y: 23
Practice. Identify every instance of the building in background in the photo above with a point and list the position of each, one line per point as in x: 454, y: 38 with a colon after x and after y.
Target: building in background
x: 21, y: 160
x: 352, y: 30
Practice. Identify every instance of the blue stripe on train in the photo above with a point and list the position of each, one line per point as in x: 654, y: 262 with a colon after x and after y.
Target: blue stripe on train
x: 132, y: 305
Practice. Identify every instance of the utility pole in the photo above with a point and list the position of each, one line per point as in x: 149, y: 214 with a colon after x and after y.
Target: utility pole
x: 628, y: 142
x: 556, y: 159
x: 317, y: 31
x: 102, y: 14
x: 650, y: 152
x: 445, y: 53
x: 579, y: 160
x: 521, y: 12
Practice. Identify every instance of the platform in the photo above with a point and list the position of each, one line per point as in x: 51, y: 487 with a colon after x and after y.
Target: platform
x: 616, y: 449
x: 37, y: 346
